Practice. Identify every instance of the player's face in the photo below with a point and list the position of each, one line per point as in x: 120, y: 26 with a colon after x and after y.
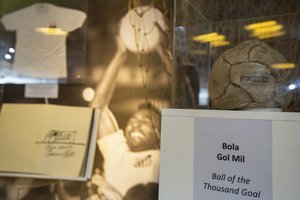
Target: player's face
x: 140, y: 131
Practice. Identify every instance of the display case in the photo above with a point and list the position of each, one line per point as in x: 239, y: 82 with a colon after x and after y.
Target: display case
x: 49, y: 32
x: 238, y: 60
x: 236, y: 54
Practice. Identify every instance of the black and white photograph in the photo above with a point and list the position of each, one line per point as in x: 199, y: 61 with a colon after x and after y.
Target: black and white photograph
x: 117, y: 58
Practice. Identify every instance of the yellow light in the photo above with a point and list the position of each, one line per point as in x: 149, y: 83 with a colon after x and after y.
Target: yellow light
x: 207, y: 37
x: 214, y: 39
x: 260, y: 25
x: 265, y: 30
x: 268, y: 29
x: 270, y: 35
x: 51, y: 31
x: 219, y: 43
x: 284, y: 65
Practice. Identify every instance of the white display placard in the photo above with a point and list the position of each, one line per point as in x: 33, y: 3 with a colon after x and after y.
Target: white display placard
x: 229, y: 155
x: 41, y: 91
x: 233, y: 158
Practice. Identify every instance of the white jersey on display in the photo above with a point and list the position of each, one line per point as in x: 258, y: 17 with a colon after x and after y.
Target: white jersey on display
x: 37, y: 54
x: 123, y: 168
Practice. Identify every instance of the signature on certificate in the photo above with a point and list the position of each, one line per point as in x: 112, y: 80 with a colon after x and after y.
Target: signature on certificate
x: 60, y: 136
x: 60, y: 143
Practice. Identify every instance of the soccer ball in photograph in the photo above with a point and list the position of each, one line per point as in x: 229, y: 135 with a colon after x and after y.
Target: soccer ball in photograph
x: 245, y: 77
x: 140, y: 29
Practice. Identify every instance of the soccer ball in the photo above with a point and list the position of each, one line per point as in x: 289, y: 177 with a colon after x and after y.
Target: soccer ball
x: 243, y: 78
x: 139, y: 29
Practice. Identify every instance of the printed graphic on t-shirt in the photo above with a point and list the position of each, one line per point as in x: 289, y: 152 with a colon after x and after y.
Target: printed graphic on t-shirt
x: 144, y: 162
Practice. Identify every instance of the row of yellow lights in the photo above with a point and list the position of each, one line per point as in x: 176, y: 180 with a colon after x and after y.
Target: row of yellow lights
x: 261, y: 30
x: 265, y: 30
x: 214, y: 39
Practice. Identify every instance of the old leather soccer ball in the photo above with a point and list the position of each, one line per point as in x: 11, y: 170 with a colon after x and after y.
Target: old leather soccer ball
x: 244, y: 77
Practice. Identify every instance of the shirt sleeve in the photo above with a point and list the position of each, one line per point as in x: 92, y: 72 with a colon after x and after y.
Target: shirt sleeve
x: 112, y: 144
x: 10, y: 21
x: 71, y: 20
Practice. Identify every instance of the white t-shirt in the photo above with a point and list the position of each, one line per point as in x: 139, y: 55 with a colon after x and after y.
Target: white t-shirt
x: 37, y: 54
x: 123, y: 168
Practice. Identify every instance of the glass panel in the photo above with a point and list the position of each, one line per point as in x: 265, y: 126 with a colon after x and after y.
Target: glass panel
x: 243, y: 54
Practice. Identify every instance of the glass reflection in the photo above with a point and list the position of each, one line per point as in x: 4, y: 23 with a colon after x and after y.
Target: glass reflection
x: 51, y: 31
x: 292, y: 86
x: 88, y: 94
x: 265, y: 30
x: 284, y: 65
x: 7, y: 56
x: 215, y: 39
x: 11, y: 50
